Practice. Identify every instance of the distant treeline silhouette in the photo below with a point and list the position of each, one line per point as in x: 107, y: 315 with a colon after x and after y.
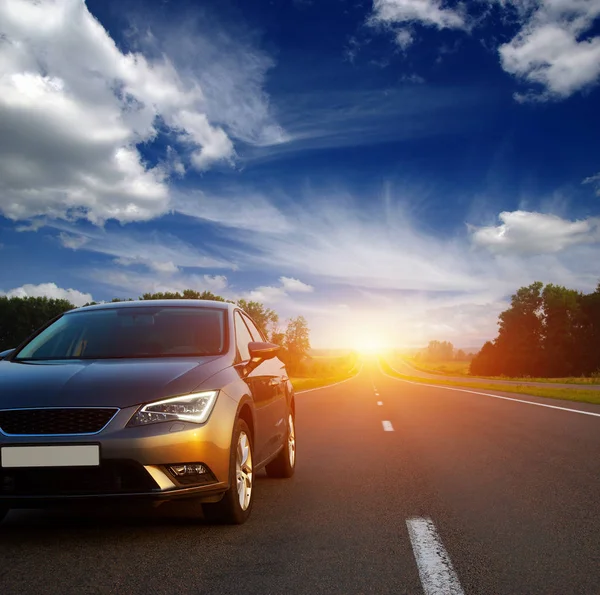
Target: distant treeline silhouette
x: 549, y: 331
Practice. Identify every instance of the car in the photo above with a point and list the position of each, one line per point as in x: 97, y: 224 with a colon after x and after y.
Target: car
x: 153, y: 400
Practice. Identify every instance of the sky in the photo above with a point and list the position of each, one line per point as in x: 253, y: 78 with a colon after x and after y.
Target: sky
x: 392, y: 170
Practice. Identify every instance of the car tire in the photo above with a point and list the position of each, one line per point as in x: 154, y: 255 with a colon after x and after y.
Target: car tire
x: 3, y: 513
x: 236, y: 505
x: 284, y: 464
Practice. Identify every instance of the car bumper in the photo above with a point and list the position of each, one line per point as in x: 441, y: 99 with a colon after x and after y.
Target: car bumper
x: 135, y: 463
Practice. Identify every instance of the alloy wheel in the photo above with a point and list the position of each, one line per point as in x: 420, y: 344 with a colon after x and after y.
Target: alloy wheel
x: 291, y: 441
x: 244, y: 471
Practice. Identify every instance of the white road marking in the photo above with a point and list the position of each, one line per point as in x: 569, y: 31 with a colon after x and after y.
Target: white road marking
x: 376, y: 394
x: 464, y: 390
x: 435, y: 569
x: 387, y: 426
x: 380, y: 403
x: 309, y: 390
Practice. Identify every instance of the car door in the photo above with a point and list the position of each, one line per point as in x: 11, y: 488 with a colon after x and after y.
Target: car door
x: 275, y: 370
x: 264, y: 387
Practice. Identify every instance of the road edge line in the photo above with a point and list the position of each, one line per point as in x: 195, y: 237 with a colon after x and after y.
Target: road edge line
x: 310, y: 390
x: 464, y: 390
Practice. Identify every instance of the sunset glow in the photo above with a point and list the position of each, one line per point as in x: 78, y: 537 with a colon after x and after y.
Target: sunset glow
x: 370, y: 343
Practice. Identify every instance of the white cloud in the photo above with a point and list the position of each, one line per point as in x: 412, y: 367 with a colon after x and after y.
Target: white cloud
x: 33, y: 225
x: 266, y: 293
x: 526, y: 232
x: 134, y: 284
x: 555, y: 51
x: 271, y: 294
x: 595, y: 180
x: 442, y: 286
x: 426, y: 12
x: 73, y: 241
x: 335, y: 239
x: 404, y: 38
x: 158, y: 252
x: 292, y: 285
x: 552, y: 50
x: 50, y: 290
x: 238, y: 210
x: 413, y: 78
x: 168, y: 267
x: 74, y: 107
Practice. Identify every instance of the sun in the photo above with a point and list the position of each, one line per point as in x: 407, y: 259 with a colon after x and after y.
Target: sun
x: 371, y: 344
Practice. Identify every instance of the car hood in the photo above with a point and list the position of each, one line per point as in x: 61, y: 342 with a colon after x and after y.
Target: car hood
x: 93, y: 383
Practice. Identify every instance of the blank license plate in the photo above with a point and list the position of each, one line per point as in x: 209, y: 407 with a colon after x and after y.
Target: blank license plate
x: 83, y: 455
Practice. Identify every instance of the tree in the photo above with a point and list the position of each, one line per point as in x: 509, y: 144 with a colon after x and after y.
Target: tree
x: 296, y: 343
x: 265, y: 318
x: 519, y: 342
x: 562, y: 326
x: 486, y: 362
x: 20, y: 317
x: 439, y: 351
x: 548, y: 331
x: 588, y: 347
x: 188, y: 294
x: 278, y: 337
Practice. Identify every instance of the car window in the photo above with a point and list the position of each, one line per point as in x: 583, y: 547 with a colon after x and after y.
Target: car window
x: 256, y: 334
x: 242, y: 337
x: 130, y: 332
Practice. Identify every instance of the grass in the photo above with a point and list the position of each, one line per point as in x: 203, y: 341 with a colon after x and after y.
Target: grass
x: 568, y: 394
x: 442, y: 367
x: 454, y: 368
x: 308, y: 383
x: 324, y: 370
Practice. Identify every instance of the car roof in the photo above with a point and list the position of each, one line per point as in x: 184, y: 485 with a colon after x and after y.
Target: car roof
x: 160, y: 303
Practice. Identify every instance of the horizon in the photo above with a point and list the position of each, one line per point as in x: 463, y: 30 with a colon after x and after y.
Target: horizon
x: 392, y: 171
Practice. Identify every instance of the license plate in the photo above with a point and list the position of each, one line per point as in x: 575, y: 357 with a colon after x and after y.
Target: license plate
x: 82, y: 455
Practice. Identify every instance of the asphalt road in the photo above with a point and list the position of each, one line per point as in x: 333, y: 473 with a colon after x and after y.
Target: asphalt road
x: 405, y: 368
x: 462, y: 494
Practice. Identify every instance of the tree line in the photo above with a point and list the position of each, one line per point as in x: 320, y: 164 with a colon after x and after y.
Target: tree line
x: 22, y: 316
x: 548, y: 331
x: 442, y: 351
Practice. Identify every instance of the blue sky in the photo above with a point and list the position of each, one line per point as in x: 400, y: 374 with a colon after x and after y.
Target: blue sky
x: 391, y: 169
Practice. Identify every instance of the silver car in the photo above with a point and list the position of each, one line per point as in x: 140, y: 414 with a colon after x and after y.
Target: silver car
x: 150, y: 400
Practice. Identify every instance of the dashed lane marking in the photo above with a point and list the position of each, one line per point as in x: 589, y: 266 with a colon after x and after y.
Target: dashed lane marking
x: 435, y: 569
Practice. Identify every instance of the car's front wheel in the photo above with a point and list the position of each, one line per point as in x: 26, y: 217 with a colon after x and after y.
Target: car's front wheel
x: 3, y: 513
x: 284, y: 464
x: 235, y: 506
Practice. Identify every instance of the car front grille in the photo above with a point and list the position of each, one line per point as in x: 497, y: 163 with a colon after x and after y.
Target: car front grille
x: 44, y: 422
x: 111, y: 477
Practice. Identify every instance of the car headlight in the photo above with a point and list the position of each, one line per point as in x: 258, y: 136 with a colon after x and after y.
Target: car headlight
x: 195, y: 408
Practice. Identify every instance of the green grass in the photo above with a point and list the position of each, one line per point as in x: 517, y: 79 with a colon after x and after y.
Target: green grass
x: 308, y: 383
x: 321, y: 370
x: 453, y: 368
x: 444, y: 367
x: 568, y: 394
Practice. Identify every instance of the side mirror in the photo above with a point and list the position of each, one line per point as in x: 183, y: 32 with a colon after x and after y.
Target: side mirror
x: 6, y: 353
x: 262, y: 351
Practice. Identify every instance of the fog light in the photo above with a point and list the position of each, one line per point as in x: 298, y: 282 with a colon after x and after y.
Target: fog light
x: 188, y: 469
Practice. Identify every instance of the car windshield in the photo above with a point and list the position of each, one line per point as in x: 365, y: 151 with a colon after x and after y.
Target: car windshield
x: 130, y: 333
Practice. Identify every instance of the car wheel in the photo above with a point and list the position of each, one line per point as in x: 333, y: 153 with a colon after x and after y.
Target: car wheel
x: 235, y: 506
x: 3, y: 513
x: 285, y: 463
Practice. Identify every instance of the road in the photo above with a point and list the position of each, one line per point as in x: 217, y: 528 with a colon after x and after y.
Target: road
x: 405, y: 368
x: 462, y: 494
